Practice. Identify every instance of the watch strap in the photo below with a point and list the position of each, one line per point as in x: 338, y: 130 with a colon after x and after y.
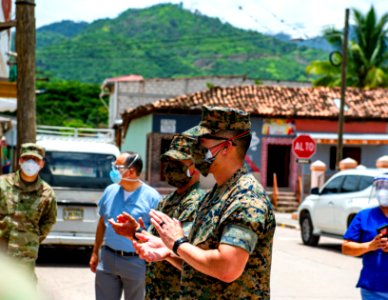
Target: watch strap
x: 179, y: 242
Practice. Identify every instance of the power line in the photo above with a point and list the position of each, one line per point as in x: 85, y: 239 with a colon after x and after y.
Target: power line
x: 279, y: 19
x: 241, y: 8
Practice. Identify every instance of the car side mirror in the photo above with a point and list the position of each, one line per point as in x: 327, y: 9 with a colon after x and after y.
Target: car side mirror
x: 314, y: 191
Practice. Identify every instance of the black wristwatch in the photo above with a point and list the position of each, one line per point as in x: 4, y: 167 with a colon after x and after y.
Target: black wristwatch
x: 179, y: 242
x: 139, y: 230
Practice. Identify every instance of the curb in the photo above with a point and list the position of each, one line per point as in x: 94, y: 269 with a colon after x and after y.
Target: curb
x: 283, y: 225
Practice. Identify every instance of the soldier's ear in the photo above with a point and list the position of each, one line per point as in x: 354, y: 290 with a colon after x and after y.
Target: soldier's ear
x: 42, y: 163
x: 226, y: 146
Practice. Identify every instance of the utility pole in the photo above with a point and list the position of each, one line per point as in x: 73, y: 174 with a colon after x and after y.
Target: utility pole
x: 25, y: 85
x: 341, y: 117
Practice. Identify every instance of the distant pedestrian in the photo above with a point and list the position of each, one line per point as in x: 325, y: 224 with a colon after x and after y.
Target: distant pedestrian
x: 28, y: 207
x: 367, y: 236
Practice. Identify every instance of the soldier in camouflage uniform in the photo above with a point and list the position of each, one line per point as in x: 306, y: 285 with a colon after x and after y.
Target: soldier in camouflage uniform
x: 227, y: 254
x: 163, y: 280
x: 28, y: 208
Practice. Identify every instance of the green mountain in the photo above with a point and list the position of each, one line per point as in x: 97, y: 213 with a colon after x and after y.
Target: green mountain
x: 166, y: 41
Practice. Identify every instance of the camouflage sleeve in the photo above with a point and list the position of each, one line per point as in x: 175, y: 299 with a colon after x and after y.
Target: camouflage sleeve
x: 239, y: 236
x: 187, y: 227
x: 247, y: 223
x: 48, y: 218
x: 189, y: 207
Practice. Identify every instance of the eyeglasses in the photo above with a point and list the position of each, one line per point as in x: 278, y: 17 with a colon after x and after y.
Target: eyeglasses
x: 232, y: 139
x: 119, y: 167
x: 218, y: 138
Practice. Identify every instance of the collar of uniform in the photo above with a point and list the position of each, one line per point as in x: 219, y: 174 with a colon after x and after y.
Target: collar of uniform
x: 176, y: 199
x: 220, y: 189
x: 230, y: 182
x: 26, y: 186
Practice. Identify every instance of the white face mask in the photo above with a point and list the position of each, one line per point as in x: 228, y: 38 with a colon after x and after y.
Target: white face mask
x: 30, y: 167
x: 382, y: 197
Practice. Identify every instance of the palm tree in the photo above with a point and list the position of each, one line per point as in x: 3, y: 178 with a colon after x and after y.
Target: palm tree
x: 367, y: 54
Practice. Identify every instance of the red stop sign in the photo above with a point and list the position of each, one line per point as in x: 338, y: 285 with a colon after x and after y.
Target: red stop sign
x: 303, y: 146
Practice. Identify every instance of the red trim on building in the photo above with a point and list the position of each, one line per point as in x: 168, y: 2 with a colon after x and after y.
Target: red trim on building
x: 314, y: 125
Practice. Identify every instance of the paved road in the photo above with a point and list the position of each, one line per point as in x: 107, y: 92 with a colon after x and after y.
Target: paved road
x: 322, y: 272
x: 298, y: 272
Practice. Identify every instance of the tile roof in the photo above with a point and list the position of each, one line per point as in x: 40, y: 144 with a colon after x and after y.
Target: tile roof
x: 124, y: 78
x: 275, y: 101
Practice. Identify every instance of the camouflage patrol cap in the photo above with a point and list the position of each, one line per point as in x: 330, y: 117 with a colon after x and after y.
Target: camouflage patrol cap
x: 31, y: 149
x: 215, y: 119
x: 179, y: 148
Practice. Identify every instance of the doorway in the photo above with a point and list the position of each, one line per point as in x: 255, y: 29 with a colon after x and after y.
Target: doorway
x: 279, y: 163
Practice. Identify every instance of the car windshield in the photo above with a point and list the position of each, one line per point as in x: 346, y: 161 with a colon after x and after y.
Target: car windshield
x: 82, y: 170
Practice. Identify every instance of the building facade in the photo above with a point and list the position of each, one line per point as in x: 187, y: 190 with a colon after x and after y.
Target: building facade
x: 278, y: 115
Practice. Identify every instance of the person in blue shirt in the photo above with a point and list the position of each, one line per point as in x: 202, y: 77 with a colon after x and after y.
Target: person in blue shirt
x: 364, y: 238
x: 114, y: 260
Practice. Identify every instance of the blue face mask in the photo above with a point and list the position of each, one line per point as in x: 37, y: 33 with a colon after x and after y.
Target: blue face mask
x: 116, y: 176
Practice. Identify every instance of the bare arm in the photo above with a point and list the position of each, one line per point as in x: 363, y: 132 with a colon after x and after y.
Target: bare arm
x: 358, y: 249
x: 225, y: 263
x: 97, y: 244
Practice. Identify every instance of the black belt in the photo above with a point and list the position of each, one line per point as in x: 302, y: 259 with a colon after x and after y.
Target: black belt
x: 119, y: 252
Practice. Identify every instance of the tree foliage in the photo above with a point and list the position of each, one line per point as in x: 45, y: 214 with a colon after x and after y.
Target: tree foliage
x: 367, y: 64
x: 166, y: 41
x: 70, y: 103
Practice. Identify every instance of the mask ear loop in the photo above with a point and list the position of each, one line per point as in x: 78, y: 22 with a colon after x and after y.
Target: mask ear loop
x: 136, y: 157
x: 239, y: 136
x: 129, y: 166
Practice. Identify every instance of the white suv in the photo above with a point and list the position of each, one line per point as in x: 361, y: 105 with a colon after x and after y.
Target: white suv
x: 329, y: 210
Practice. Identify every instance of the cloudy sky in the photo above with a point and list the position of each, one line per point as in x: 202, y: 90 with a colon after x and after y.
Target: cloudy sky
x: 299, y: 18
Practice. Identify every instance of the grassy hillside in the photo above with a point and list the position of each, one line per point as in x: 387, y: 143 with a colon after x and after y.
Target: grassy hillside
x: 166, y: 41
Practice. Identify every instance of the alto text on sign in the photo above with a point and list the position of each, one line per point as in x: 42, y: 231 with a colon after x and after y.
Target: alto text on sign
x: 303, y: 146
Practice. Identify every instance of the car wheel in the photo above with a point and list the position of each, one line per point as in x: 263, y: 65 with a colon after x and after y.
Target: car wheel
x: 307, y: 228
x: 350, y: 219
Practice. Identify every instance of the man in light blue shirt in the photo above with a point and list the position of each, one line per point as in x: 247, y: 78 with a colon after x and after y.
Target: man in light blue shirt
x: 117, y: 266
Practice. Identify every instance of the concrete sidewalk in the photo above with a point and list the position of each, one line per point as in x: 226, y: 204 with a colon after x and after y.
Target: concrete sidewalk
x: 288, y: 220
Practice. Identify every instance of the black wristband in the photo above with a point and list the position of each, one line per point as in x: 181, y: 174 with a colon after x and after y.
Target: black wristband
x: 179, y: 242
x: 139, y: 230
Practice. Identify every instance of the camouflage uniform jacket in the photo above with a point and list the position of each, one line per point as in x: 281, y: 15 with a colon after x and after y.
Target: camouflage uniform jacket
x: 27, y: 213
x: 163, y: 280
x: 237, y: 213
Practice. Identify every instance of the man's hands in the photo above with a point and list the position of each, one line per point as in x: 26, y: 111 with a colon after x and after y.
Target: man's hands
x: 379, y: 242
x: 169, y: 229
x: 126, y: 225
x: 151, y: 248
x: 93, y: 262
